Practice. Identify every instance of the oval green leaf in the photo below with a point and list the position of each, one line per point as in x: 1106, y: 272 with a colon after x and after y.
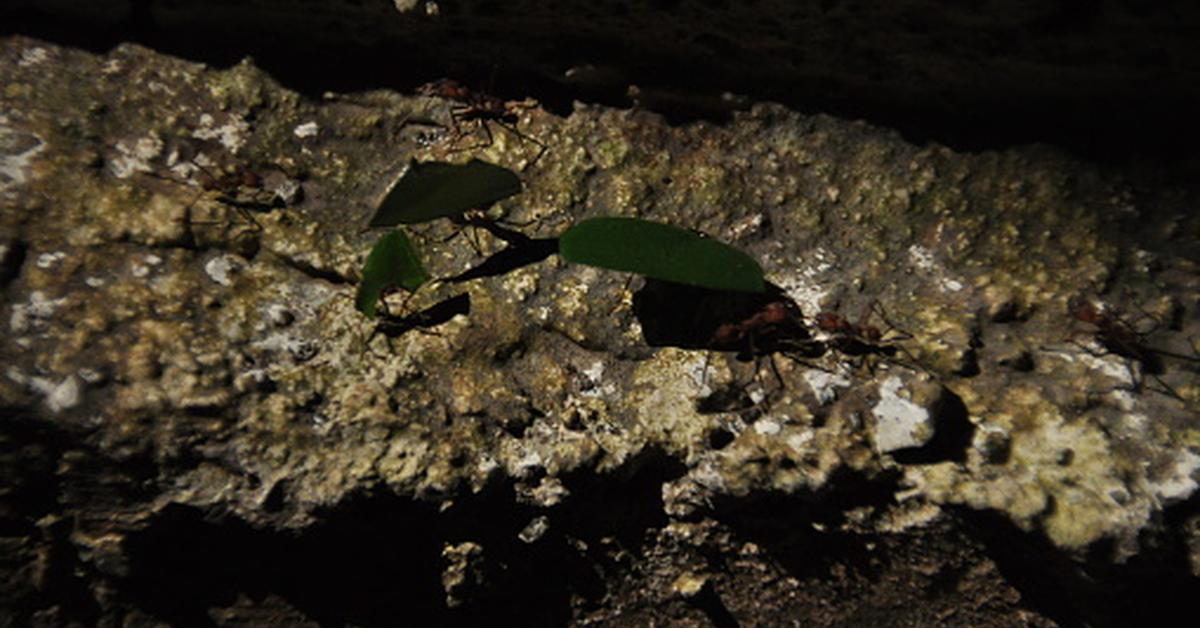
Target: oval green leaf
x: 661, y: 252
x: 393, y: 262
x: 434, y: 189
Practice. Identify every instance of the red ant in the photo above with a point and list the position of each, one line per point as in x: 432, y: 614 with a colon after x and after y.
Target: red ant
x: 862, y: 339
x: 776, y: 327
x: 1119, y: 337
x: 857, y: 338
x: 483, y: 108
x: 393, y: 325
x: 1114, y: 333
x: 240, y: 188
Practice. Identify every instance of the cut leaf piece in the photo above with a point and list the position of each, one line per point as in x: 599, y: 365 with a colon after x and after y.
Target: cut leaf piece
x: 393, y: 262
x: 435, y: 189
x: 661, y: 252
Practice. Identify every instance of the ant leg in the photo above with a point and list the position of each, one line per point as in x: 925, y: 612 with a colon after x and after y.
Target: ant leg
x: 898, y: 335
x: 245, y: 213
x: 775, y: 371
x: 807, y: 364
x: 757, y: 377
x: 621, y: 300
x: 487, y: 132
x: 456, y: 114
x: 471, y: 234
x: 1137, y: 377
x: 461, y: 227
x: 477, y: 241
x: 542, y: 148
x: 1154, y: 322
x: 519, y: 225
x: 877, y: 308
x: 187, y: 209
x: 377, y: 329
x: 1166, y: 389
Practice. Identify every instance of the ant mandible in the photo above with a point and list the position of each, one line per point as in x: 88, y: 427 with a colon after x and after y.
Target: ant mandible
x: 483, y: 108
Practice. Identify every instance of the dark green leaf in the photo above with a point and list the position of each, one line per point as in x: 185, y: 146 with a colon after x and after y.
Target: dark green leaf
x: 393, y: 262
x: 435, y: 190
x: 662, y: 252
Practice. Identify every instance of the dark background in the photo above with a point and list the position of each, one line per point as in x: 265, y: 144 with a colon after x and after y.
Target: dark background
x: 1116, y: 81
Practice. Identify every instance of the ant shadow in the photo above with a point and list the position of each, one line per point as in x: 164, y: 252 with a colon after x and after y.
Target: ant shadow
x: 441, y: 312
x: 753, y: 325
x: 392, y: 326
x: 521, y: 251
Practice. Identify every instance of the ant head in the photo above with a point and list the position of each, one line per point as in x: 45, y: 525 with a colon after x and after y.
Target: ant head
x: 1083, y: 309
x: 829, y: 322
x: 444, y: 88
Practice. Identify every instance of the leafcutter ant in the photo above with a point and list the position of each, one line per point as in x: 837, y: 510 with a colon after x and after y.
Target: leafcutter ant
x: 861, y: 338
x: 477, y: 219
x: 776, y: 327
x: 1119, y: 337
x: 392, y: 325
x: 240, y: 188
x: 483, y: 108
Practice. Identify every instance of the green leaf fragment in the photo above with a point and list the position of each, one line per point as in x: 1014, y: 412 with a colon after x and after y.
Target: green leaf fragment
x: 661, y: 252
x: 432, y: 190
x: 393, y: 262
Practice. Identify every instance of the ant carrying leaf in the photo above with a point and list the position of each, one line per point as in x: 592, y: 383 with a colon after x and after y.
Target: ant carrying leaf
x: 751, y: 325
x: 776, y: 328
x: 392, y: 262
x: 661, y: 252
x: 859, y: 338
x: 431, y: 190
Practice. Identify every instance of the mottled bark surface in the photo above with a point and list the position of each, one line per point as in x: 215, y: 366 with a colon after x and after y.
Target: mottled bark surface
x: 199, y: 427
